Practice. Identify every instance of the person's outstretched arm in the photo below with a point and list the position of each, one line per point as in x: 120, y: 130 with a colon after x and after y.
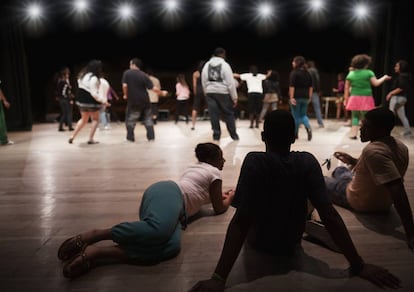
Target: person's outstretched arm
x: 220, y: 201
x: 235, y: 236
x: 377, y: 82
x: 346, y: 158
x: 402, y: 205
x: 340, y: 235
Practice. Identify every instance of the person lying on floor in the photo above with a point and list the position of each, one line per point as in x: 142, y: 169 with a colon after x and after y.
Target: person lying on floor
x: 163, y: 212
x: 375, y: 181
x: 271, y: 207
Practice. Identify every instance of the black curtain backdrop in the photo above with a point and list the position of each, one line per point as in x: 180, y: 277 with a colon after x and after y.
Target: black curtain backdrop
x: 14, y: 76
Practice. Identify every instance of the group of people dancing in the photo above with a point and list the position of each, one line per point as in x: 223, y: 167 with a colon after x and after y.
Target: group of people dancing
x: 215, y: 83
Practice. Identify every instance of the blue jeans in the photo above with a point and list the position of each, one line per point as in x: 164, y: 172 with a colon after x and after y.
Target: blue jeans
x: 103, y: 119
x: 316, y: 103
x: 221, y: 104
x: 299, y: 112
x: 133, y: 113
x: 336, y: 186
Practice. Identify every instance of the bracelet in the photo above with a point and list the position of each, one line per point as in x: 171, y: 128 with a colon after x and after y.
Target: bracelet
x: 217, y: 277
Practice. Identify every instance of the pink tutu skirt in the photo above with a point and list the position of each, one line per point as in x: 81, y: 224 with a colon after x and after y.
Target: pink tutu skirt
x: 360, y: 103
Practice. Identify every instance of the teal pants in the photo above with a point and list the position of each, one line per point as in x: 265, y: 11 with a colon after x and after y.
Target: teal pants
x: 157, y: 236
x: 3, y: 128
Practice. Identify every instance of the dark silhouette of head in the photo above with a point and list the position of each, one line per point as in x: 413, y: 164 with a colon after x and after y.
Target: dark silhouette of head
x: 279, y: 129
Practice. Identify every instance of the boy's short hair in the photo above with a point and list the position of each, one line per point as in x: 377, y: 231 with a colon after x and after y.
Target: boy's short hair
x: 381, y: 118
x: 279, y: 127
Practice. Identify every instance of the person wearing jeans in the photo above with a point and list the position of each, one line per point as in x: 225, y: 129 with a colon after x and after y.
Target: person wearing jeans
x: 221, y: 94
x: 398, y: 95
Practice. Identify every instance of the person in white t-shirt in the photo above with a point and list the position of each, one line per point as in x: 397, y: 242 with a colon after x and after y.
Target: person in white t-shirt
x: 253, y: 81
x: 163, y: 213
x: 88, y: 99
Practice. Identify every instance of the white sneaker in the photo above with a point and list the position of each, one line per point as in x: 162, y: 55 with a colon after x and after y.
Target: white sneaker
x: 10, y: 142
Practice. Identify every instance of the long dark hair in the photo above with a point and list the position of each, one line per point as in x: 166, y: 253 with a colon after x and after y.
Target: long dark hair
x: 94, y: 67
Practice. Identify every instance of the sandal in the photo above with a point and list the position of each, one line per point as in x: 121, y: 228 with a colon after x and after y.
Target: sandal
x: 71, y: 247
x: 73, y: 270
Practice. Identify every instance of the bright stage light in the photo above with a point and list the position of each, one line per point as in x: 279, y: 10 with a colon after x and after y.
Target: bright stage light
x: 316, y: 4
x: 219, y: 6
x: 361, y: 11
x: 81, y: 5
x: 315, y: 13
x: 361, y: 17
x: 171, y: 5
x: 265, y: 10
x: 263, y: 17
x: 34, y: 11
x: 125, y: 11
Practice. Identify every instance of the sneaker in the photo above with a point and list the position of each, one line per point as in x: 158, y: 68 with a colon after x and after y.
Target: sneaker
x: 9, y: 142
x: 309, y: 131
x: 235, y: 137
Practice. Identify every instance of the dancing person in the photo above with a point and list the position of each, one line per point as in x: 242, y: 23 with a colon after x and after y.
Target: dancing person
x: 316, y: 100
x: 105, y: 92
x: 358, y: 97
x: 271, y: 213
x: 135, y: 85
x: 198, y: 92
x: 154, y: 95
x: 397, y: 97
x: 221, y: 94
x: 300, y: 94
x: 271, y: 91
x: 63, y: 92
x: 254, y: 81
x: 339, y: 92
x: 163, y: 212
x: 4, y: 140
x: 182, y: 92
x: 88, y: 99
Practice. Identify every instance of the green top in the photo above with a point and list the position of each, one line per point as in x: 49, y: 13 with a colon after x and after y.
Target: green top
x: 360, y: 82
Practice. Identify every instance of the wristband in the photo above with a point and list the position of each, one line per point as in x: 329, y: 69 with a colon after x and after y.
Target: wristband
x: 217, y: 277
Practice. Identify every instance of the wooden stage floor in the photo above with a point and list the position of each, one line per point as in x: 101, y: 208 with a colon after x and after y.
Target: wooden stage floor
x: 50, y: 190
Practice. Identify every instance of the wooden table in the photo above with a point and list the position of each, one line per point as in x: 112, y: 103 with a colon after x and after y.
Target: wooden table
x: 327, y: 100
